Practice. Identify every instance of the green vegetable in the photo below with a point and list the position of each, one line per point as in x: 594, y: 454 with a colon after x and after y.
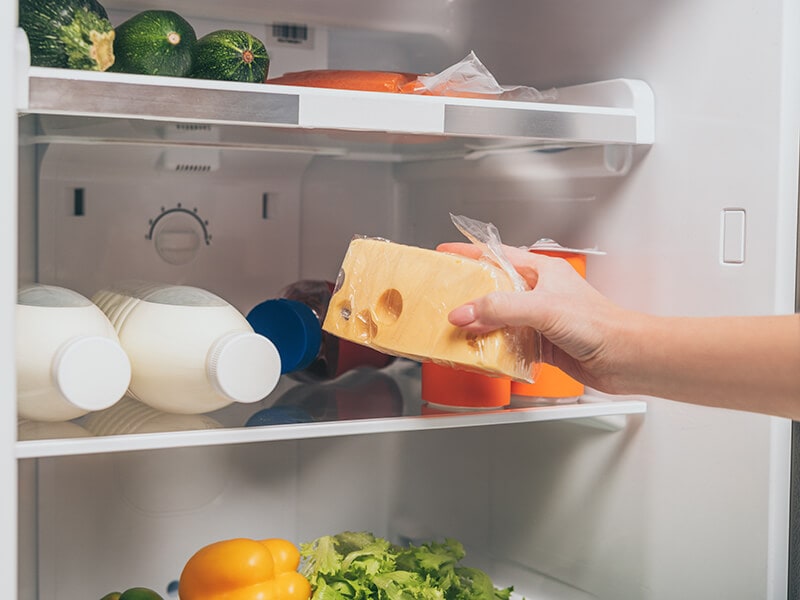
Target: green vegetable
x: 140, y: 593
x: 230, y: 55
x: 360, y: 566
x: 74, y: 34
x: 155, y: 42
x: 135, y: 593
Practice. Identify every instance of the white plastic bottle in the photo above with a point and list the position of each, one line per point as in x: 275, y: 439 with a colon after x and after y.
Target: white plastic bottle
x: 191, y: 352
x: 69, y: 360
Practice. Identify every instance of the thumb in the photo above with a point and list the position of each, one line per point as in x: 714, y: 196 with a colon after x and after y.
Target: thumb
x: 494, y: 311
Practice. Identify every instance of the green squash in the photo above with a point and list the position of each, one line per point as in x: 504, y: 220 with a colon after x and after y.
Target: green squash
x: 72, y: 34
x: 135, y: 593
x: 140, y: 593
x: 230, y: 55
x: 154, y: 42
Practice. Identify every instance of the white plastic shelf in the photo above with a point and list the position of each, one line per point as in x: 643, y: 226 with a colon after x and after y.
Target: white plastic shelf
x: 616, y: 112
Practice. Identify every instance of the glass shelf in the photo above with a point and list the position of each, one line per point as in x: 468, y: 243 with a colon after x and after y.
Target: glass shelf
x: 364, y: 401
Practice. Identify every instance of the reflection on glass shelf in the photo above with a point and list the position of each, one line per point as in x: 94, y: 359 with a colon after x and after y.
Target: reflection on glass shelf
x: 341, y: 144
x: 363, y: 401
x: 368, y: 394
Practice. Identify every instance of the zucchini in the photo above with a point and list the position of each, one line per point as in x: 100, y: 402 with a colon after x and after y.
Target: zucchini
x: 72, y: 34
x: 154, y: 42
x: 230, y: 55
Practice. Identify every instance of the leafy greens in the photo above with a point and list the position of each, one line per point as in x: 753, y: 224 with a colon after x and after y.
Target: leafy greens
x: 359, y: 566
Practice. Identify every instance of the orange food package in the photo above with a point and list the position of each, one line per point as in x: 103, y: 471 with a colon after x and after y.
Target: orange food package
x: 344, y: 79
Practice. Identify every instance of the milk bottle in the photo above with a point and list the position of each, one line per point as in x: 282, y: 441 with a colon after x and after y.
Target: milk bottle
x: 191, y: 352
x: 69, y: 360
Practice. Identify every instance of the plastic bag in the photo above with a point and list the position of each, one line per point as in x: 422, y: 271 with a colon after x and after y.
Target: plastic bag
x: 487, y: 238
x: 471, y: 79
x: 396, y: 298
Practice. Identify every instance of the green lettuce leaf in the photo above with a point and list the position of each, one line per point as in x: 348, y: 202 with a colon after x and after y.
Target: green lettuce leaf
x: 359, y: 566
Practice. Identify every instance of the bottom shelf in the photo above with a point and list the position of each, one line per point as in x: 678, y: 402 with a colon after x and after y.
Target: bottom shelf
x: 361, y: 402
x: 531, y: 585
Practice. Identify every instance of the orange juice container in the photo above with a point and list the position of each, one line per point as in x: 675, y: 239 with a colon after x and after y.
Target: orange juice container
x: 552, y: 385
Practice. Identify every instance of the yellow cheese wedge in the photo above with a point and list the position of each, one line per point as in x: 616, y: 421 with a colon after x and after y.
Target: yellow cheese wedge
x: 396, y: 298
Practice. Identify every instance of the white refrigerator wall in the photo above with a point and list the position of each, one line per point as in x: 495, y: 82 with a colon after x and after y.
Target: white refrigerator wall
x: 686, y: 502
x: 692, y: 503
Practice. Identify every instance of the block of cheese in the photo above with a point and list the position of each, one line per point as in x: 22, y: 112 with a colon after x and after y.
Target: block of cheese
x: 396, y: 298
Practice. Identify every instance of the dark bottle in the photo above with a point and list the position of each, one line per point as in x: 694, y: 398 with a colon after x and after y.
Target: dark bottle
x: 293, y: 322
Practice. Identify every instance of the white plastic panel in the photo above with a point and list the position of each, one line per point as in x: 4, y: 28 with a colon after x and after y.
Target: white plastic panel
x: 629, y: 119
x: 141, y: 218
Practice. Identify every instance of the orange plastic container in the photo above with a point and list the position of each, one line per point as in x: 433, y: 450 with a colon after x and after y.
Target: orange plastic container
x: 453, y: 389
x: 552, y: 385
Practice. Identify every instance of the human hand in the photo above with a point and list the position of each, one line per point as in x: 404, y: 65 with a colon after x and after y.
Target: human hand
x: 581, y: 328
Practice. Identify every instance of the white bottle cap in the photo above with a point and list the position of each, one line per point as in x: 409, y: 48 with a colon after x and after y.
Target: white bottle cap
x: 91, y: 372
x: 244, y: 366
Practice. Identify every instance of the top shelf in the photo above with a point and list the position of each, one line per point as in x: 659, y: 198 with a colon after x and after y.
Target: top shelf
x: 618, y: 112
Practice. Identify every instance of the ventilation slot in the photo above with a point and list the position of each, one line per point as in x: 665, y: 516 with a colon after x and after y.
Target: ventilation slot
x: 296, y: 34
x: 193, y: 168
x: 191, y: 161
x: 193, y: 127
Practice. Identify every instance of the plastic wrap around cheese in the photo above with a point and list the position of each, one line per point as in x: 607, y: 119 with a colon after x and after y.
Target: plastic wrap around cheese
x: 396, y: 298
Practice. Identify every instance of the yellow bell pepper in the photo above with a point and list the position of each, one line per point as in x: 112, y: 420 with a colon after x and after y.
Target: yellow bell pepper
x: 244, y: 569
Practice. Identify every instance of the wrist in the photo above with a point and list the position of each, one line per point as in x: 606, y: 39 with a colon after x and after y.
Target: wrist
x: 629, y: 346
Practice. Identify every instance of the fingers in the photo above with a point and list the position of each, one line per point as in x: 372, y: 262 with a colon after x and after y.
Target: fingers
x: 501, y: 308
x: 462, y: 248
x: 526, y: 263
x: 517, y: 256
x: 494, y: 311
x: 462, y: 316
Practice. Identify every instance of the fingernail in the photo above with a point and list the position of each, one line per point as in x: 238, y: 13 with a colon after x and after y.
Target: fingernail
x: 463, y: 315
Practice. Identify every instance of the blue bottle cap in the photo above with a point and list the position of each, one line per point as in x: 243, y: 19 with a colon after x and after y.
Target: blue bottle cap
x: 292, y: 327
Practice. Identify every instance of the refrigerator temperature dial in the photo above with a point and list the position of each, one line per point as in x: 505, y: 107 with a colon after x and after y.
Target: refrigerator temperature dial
x: 178, y: 234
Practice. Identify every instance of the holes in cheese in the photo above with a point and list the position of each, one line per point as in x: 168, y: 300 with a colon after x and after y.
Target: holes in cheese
x: 365, y: 327
x: 396, y: 298
x: 389, y: 306
x: 345, y: 310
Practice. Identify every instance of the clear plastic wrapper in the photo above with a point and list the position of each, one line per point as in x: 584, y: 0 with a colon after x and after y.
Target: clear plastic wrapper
x: 469, y: 78
x: 396, y: 298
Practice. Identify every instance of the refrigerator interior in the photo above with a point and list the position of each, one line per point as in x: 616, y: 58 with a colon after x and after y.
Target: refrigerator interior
x: 682, y: 501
